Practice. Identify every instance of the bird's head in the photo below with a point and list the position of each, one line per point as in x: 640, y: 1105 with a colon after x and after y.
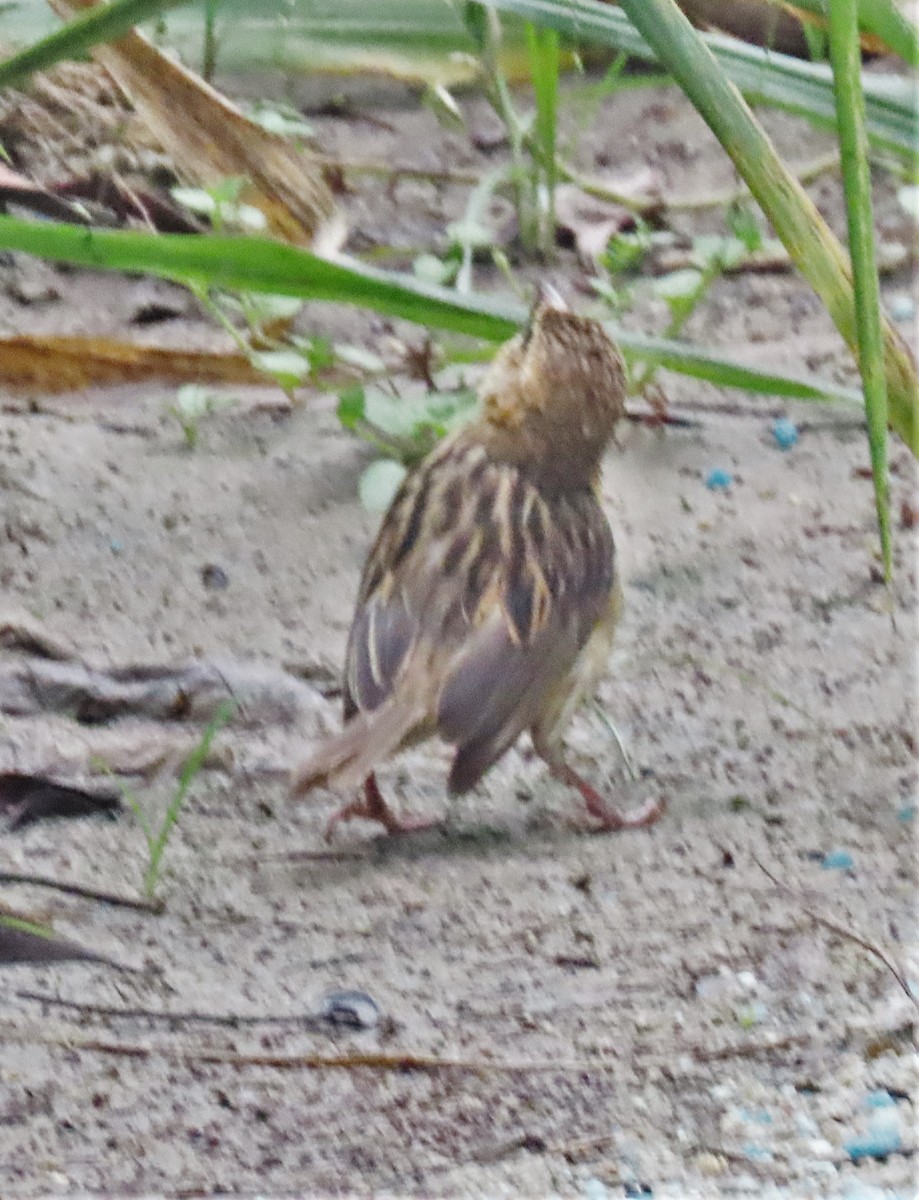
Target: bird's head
x: 554, y: 393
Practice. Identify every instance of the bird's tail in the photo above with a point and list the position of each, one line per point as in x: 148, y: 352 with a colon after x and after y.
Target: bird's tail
x: 347, y: 758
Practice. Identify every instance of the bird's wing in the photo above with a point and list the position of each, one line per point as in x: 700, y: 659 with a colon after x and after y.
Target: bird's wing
x: 391, y: 608
x: 478, y: 594
x: 554, y: 588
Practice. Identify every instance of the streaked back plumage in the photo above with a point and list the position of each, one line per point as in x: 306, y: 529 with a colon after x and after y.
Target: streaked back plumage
x: 492, y: 567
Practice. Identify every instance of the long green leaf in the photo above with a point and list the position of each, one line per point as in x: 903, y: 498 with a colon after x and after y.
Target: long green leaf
x: 104, y: 23
x: 414, y: 39
x: 845, y: 54
x: 704, y: 364
x: 259, y: 265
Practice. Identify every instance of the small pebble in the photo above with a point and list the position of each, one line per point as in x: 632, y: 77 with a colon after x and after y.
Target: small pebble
x: 883, y: 1135
x: 354, y: 1009
x: 718, y: 479
x: 116, y: 545
x: 902, y: 307
x: 214, y: 577
x: 873, y: 1145
x: 837, y: 860
x: 757, y: 1153
x: 869, y: 1191
x: 759, y: 1116
x: 820, y: 1148
x: 785, y: 433
x: 906, y: 813
x: 595, y: 1189
x: 711, y: 1164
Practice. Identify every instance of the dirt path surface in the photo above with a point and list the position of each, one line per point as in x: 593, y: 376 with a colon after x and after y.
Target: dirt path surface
x: 697, y: 1009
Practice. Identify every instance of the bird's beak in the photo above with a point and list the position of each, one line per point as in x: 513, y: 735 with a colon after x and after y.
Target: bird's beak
x: 549, y: 297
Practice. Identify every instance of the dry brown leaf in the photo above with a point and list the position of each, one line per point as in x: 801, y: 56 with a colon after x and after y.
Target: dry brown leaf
x: 761, y: 22
x: 52, y: 364
x: 774, y: 24
x: 23, y: 939
x: 50, y: 745
x: 26, y: 798
x: 143, y: 719
x: 588, y: 221
x: 16, y: 189
x: 210, y: 140
x: 20, y: 632
x: 168, y: 692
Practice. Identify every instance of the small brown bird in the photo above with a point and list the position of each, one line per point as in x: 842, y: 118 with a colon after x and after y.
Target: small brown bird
x: 489, y: 601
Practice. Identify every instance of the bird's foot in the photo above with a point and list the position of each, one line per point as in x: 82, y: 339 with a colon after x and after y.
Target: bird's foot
x: 611, y: 819
x: 372, y: 807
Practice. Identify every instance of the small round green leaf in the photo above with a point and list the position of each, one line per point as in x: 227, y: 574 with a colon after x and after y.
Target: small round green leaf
x: 379, y: 483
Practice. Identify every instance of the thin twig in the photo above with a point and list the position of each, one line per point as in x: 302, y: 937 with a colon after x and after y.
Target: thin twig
x: 311, y: 1021
x: 835, y: 927
x: 705, y: 1054
x: 805, y: 174
x: 372, y: 1060
x: 366, y: 166
x: 655, y: 419
x: 589, y: 184
x: 770, y: 259
x: 87, y: 893
x: 403, y: 1061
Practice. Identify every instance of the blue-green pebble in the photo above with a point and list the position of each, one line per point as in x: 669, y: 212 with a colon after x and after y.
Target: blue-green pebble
x: 785, y: 433
x: 837, y: 860
x: 718, y: 480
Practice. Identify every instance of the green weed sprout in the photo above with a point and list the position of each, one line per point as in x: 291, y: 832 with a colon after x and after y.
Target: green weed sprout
x: 158, y: 839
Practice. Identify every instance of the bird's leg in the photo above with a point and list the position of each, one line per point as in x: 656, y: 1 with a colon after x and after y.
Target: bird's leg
x: 610, y: 818
x: 372, y: 807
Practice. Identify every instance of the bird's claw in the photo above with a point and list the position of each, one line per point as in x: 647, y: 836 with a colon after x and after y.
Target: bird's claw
x: 372, y: 807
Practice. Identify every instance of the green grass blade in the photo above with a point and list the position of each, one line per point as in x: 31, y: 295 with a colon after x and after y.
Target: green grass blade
x: 762, y: 75
x: 104, y: 23
x: 193, y: 765
x: 723, y: 372
x: 259, y: 265
x: 543, y: 46
x: 808, y: 239
x: 845, y: 54
x: 23, y: 926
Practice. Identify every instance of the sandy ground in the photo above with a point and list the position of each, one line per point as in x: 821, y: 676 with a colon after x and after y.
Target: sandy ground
x: 698, y: 1009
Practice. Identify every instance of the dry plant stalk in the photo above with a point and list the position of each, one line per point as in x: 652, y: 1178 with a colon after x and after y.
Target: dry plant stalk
x: 53, y: 364
x: 209, y: 140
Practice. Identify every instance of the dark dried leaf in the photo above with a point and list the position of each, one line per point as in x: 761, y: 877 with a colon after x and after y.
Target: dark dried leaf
x: 28, y: 798
x: 25, y: 942
x: 16, y: 190
x: 123, y: 204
